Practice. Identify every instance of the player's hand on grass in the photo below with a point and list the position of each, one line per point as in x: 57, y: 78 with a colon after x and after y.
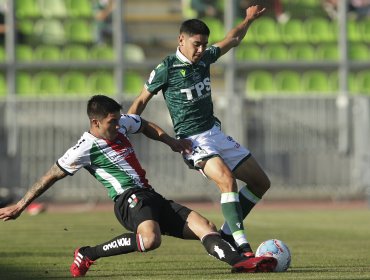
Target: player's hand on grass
x: 10, y: 212
x: 254, y: 12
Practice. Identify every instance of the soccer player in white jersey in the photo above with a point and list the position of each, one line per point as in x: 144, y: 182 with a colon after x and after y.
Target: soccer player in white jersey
x: 106, y: 152
x: 184, y: 79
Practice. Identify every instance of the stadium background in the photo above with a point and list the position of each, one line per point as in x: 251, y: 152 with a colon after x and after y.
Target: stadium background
x: 297, y: 93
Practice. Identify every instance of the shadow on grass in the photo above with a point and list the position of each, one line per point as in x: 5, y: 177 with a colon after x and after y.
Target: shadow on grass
x: 17, y: 273
x: 28, y: 266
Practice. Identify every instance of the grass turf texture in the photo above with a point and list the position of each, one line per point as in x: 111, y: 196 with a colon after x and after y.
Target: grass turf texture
x: 325, y: 244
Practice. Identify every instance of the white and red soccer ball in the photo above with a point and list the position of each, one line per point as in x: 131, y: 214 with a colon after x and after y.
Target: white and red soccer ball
x: 277, y: 249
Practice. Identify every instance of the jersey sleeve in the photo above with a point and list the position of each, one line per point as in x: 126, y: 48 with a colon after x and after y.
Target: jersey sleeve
x: 211, y: 54
x: 157, y: 79
x: 130, y: 123
x: 75, y: 157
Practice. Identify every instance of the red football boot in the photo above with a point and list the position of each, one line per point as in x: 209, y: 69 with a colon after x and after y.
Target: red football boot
x: 256, y: 264
x: 80, y: 265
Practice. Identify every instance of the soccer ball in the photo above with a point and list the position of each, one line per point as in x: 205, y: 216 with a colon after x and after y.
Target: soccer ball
x: 277, y: 249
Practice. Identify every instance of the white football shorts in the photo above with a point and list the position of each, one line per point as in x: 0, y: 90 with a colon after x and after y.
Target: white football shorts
x: 212, y: 143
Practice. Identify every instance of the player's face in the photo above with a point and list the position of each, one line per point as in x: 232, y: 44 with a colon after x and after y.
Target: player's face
x: 193, y: 47
x: 107, y: 128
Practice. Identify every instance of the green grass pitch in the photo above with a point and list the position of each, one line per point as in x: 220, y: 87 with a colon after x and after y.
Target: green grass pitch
x: 325, y: 244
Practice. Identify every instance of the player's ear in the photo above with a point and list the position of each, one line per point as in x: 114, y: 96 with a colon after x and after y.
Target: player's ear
x: 95, y: 123
x: 181, y: 39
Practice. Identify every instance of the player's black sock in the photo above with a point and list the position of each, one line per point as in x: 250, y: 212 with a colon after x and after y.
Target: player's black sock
x: 122, y: 244
x: 247, y: 200
x: 246, y: 205
x: 220, y: 249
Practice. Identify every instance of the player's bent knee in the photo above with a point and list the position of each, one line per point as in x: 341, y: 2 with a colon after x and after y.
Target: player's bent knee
x: 199, y: 226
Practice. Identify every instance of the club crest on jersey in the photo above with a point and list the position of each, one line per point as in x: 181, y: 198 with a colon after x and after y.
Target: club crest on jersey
x: 132, y: 200
x: 183, y: 72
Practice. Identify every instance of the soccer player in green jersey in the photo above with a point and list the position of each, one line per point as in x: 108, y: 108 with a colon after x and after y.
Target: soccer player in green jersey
x: 106, y: 152
x: 184, y: 79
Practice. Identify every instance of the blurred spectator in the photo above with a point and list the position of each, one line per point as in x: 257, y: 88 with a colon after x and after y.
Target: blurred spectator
x: 201, y: 9
x: 205, y: 8
x: 359, y: 8
x: 20, y: 37
x: 274, y: 6
x: 3, y: 9
x: 330, y: 7
x: 103, y: 21
x: 280, y: 15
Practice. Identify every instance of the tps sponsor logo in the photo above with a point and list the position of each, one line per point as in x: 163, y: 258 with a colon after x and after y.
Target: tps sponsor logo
x: 198, y: 89
x: 121, y: 242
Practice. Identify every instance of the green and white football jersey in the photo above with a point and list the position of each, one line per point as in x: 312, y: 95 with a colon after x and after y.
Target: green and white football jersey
x: 186, y: 88
x: 113, y: 163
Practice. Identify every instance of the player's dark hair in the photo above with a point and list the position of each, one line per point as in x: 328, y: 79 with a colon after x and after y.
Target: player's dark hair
x: 194, y: 27
x: 99, y: 106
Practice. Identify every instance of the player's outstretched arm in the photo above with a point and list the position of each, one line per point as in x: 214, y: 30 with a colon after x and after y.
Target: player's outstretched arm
x: 153, y: 131
x: 236, y: 35
x: 140, y: 102
x: 46, y: 181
